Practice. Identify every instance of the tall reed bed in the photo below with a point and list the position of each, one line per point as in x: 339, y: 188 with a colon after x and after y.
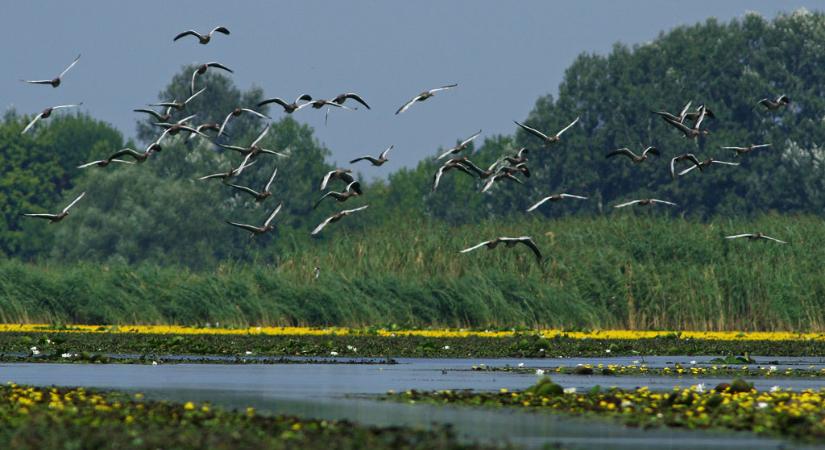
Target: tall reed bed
x: 632, y: 270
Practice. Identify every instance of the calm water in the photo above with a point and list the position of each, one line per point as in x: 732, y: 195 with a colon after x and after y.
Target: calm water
x: 337, y: 391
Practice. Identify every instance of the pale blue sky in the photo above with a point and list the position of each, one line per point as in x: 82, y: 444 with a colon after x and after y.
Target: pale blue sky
x: 503, y: 54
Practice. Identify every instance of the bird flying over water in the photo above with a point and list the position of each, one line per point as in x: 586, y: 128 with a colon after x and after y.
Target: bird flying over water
x: 55, y: 82
x: 335, y: 218
x: 45, y: 114
x: 423, y: 96
x: 52, y: 218
x: 202, y: 38
x: 382, y: 158
x: 508, y: 242
x: 547, y: 139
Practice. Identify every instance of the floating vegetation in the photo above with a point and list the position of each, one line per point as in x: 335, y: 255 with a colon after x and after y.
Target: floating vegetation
x: 736, y: 405
x: 60, y: 418
x: 373, y: 345
x: 675, y: 370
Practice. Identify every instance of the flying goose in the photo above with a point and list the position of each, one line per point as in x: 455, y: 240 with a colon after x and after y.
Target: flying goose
x: 172, y: 129
x: 254, y: 149
x: 214, y: 126
x: 230, y: 173
x: 179, y: 105
x: 634, y: 157
x: 138, y: 156
x: 461, y: 146
x: 547, y: 139
x: 694, y: 115
x: 742, y: 150
x: 503, y: 173
x: 55, y: 82
x: 340, y: 196
x: 483, y: 174
x: 521, y: 157
x: 382, y: 158
x: 165, y: 117
x: 289, y: 108
x: 103, y: 163
x: 508, y: 242
x: 52, y: 218
x: 690, y: 132
x: 773, y: 105
x: 202, y: 38
x: 340, y: 99
x: 755, y: 236
x: 237, y: 112
x: 554, y: 198
x: 645, y: 202
x: 263, y: 194
x: 680, y: 118
x: 455, y: 163
x: 707, y: 163
x: 685, y: 157
x: 335, y: 218
x: 423, y: 96
x: 266, y: 227
x: 45, y: 114
x: 201, y: 69
x: 343, y: 175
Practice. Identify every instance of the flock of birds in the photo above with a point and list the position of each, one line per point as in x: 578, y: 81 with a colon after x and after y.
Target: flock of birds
x: 507, y: 167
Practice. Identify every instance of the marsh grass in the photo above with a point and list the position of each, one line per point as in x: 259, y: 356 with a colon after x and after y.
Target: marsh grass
x: 629, y: 270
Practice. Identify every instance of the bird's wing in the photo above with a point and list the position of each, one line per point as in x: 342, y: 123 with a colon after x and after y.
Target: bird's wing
x: 223, y: 30
x: 322, y: 225
x: 219, y: 66
x: 665, y: 202
x: 407, y: 105
x: 532, y: 131
x: 274, y: 213
x: 666, y: 115
x: 449, y: 151
x: 124, y: 152
x: 737, y: 236
x: 303, y: 97
x: 700, y: 119
x: 622, y: 151
x: 261, y: 115
x: 74, y: 201
x: 244, y: 164
x: 442, y: 88
x: 67, y: 106
x: 166, y: 104
x: 685, y: 110
x: 41, y: 216
x: 350, y: 211
x: 149, y: 111
x: 357, y: 98
x: 326, y: 179
x: 627, y: 204
x: 489, y: 184
x: 764, y: 102
x: 680, y: 126
x: 192, y: 86
x: 539, y: 203
x: 70, y: 66
x: 214, y: 175
x: 83, y: 166
x: 384, y: 154
x: 273, y: 152
x: 274, y: 100
x: 122, y: 161
x: 687, y: 170
x: 567, y: 127
x: 735, y: 148
x: 725, y: 163
x: 38, y: 81
x: 651, y: 150
x: 250, y: 228
x: 322, y: 199
x: 223, y: 125
x: 477, y: 246
x: 260, y: 136
x: 31, y: 124
x: 572, y: 196
x: 271, y: 179
x: 469, y: 139
x: 185, y: 119
x: 232, y: 147
x: 761, y: 146
x: 528, y: 241
x: 361, y: 158
x: 244, y: 189
x: 193, y: 95
x: 187, y: 33
x: 437, y: 177
x: 773, y: 239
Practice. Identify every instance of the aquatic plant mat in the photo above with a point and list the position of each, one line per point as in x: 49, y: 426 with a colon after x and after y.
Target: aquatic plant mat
x: 737, y: 406
x: 148, y: 343
x: 61, y: 418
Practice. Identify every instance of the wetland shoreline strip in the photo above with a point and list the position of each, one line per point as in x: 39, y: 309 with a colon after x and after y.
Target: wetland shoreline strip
x: 531, y: 345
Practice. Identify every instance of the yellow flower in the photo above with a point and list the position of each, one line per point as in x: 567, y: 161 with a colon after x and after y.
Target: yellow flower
x: 189, y: 406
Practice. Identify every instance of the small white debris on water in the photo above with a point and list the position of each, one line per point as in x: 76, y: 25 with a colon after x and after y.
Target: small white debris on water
x: 539, y: 372
x: 521, y: 364
x: 333, y: 353
x: 247, y: 352
x: 570, y: 390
